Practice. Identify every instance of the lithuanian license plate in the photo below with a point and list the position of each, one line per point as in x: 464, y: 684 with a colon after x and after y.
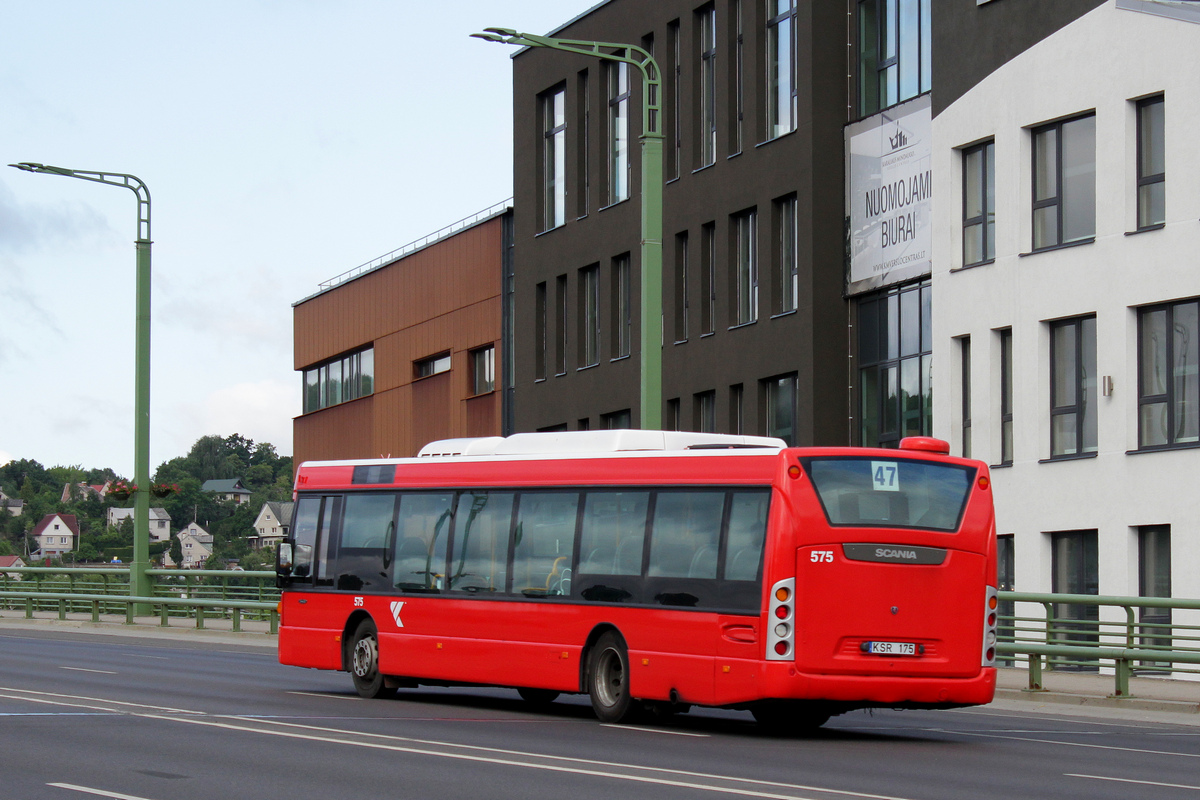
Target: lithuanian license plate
x: 892, y: 648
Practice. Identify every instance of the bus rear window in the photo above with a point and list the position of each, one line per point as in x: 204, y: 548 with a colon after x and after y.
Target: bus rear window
x: 883, y: 493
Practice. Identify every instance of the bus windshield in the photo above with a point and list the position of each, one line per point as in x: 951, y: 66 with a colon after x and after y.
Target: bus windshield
x: 890, y: 493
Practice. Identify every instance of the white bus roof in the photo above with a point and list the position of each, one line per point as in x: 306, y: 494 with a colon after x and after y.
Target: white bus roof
x: 605, y: 441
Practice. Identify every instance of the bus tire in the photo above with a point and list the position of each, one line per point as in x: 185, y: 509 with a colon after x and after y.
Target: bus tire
x: 537, y: 697
x: 608, y: 679
x: 364, y: 663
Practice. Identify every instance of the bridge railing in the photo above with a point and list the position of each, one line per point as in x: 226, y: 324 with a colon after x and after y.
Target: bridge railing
x: 1130, y: 635
x: 179, y: 593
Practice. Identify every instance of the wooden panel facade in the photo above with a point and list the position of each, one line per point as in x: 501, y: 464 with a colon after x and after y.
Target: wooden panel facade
x: 445, y: 298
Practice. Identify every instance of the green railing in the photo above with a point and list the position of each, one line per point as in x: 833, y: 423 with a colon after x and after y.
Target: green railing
x: 198, y: 594
x: 1083, y: 632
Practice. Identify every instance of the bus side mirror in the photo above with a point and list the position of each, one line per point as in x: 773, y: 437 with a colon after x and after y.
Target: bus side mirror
x: 283, y: 564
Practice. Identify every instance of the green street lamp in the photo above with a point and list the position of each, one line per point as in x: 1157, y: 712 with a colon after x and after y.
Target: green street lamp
x: 139, y: 581
x: 651, y: 140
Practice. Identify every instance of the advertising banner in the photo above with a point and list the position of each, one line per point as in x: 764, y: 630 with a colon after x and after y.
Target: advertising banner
x: 889, y: 195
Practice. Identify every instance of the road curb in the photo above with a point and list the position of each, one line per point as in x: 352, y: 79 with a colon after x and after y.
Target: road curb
x: 1095, y: 701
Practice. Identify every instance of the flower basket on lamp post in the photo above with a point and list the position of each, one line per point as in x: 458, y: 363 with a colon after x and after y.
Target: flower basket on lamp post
x: 161, y: 490
x: 122, y: 491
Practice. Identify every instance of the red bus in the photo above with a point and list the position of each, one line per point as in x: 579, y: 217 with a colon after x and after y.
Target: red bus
x: 651, y: 569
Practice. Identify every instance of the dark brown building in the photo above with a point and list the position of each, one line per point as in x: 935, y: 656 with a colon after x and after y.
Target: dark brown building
x: 400, y: 353
x: 754, y: 324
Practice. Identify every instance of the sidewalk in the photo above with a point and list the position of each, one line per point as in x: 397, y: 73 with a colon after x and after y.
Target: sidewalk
x: 254, y: 633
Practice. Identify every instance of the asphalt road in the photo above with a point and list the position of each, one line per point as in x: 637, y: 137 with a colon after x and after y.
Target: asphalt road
x: 85, y: 716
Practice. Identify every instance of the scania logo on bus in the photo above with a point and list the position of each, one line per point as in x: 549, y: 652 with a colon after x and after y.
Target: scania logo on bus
x: 892, y: 554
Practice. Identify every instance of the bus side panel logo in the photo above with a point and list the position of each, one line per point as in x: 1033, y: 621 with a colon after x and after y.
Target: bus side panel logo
x: 396, y: 606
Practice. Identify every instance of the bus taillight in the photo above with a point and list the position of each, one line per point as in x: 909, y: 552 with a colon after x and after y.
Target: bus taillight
x: 781, y: 637
x: 991, y: 601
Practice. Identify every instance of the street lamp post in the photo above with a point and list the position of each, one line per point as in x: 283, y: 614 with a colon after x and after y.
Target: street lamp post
x: 651, y: 140
x: 139, y: 581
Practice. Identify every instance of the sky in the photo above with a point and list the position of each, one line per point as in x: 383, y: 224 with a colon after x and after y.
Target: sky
x: 283, y: 142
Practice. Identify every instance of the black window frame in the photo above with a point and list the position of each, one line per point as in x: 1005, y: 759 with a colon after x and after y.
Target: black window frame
x: 1146, y: 180
x: 1079, y: 380
x: 985, y: 221
x: 1060, y: 199
x: 1168, y: 398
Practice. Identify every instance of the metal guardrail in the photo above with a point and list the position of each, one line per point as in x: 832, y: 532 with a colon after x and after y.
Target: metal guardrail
x: 179, y: 593
x: 412, y: 247
x: 1070, y: 631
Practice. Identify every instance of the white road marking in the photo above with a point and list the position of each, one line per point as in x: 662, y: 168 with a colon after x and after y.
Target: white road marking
x: 325, y: 694
x: 100, y: 792
x: 653, y: 730
x: 97, y: 671
x: 1130, y: 780
x: 1066, y: 744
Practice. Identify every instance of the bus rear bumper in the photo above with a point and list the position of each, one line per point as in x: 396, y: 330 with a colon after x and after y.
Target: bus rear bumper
x: 882, y: 691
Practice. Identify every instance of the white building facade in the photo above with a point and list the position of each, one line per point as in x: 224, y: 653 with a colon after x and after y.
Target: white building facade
x: 1067, y: 272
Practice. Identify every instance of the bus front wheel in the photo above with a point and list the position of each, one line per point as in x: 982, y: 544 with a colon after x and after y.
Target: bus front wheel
x: 364, y: 663
x: 608, y: 679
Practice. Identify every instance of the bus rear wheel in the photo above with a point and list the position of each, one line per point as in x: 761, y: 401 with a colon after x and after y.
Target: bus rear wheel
x: 364, y: 662
x: 608, y: 680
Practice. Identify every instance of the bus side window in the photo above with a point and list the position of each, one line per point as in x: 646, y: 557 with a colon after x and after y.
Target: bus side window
x: 747, y: 530
x: 368, y: 525
x: 613, y: 532
x: 304, y: 536
x: 544, y: 539
x: 325, y: 548
x: 479, y: 554
x: 421, y: 536
x: 687, y: 529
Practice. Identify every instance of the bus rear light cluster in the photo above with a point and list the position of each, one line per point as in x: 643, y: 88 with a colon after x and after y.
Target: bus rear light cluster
x: 781, y: 638
x: 991, y: 608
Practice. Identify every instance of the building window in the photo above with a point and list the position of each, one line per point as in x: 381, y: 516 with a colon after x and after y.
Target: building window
x: 1006, y: 573
x: 340, y: 380
x: 737, y: 91
x: 979, y: 204
x: 736, y: 415
x: 618, y: 131
x: 705, y: 412
x: 708, y: 278
x: 554, y: 159
x: 708, y: 86
x: 582, y: 144
x: 622, y: 307
x: 560, y: 325
x: 673, y: 415
x: 1073, y: 387
x: 745, y: 237
x: 895, y: 44
x: 681, y: 287
x: 1169, y: 374
x: 617, y: 420
x: 539, y: 332
x: 1151, y: 163
x: 964, y: 349
x: 781, y: 67
x: 675, y: 146
x: 895, y: 348
x: 1154, y: 580
x: 1006, y: 397
x: 787, y: 255
x: 433, y: 365
x: 589, y: 316
x: 1064, y: 182
x: 1075, y: 569
x: 780, y: 408
x: 483, y: 370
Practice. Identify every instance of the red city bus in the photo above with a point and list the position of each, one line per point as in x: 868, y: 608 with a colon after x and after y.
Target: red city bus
x: 651, y: 569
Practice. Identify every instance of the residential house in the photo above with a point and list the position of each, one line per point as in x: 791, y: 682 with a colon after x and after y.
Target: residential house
x: 14, y: 505
x: 271, y: 525
x: 196, y: 545
x: 231, y: 489
x: 84, y: 490
x: 160, y: 521
x: 11, y: 561
x: 55, y: 534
